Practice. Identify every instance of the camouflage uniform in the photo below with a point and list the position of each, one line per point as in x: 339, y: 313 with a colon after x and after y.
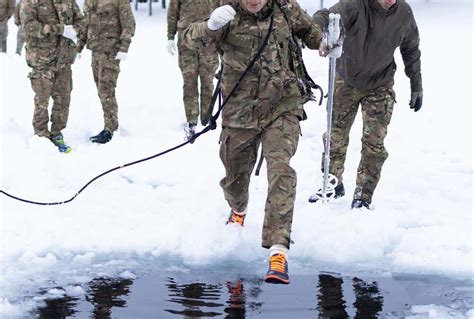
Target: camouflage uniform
x: 377, y: 107
x: 110, y: 26
x: 6, y: 11
x: 194, y: 63
x: 20, y: 35
x: 265, y: 109
x: 366, y: 76
x: 50, y: 56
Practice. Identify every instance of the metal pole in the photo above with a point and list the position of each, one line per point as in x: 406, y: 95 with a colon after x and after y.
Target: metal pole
x: 150, y: 8
x: 163, y: 4
x: 322, y: 4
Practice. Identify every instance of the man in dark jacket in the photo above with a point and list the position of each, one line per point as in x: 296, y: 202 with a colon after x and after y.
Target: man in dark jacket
x: 365, y: 71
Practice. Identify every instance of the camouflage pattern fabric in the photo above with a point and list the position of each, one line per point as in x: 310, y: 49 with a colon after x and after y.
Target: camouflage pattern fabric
x: 264, y: 110
x: 194, y: 63
x: 7, y: 8
x: 238, y: 152
x: 272, y: 77
x: 57, y: 84
x: 106, y: 70
x: 50, y: 56
x: 20, y: 40
x: 20, y: 35
x: 3, y: 36
x: 110, y: 26
x: 109, y: 30
x: 377, y: 107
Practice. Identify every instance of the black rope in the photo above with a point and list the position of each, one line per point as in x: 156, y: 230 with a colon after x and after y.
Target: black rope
x: 211, y: 126
x: 94, y: 179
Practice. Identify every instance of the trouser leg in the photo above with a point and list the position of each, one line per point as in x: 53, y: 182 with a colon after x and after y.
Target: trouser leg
x: 279, y: 143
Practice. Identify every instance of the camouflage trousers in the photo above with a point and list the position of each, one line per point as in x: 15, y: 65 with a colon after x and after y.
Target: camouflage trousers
x: 55, y: 83
x: 106, y: 69
x: 20, y: 40
x: 238, y: 152
x: 377, y: 107
x: 194, y: 65
x: 3, y: 35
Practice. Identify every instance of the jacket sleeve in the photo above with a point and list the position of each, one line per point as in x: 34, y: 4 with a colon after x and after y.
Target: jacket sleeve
x: 198, y: 35
x: 82, y: 36
x: 411, y: 54
x: 127, y: 22
x: 173, y: 18
x: 348, y: 9
x: 303, y: 26
x: 31, y: 25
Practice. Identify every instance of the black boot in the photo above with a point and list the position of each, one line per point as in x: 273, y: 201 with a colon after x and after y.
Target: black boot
x: 103, y: 137
x: 360, y: 203
x: 339, y: 191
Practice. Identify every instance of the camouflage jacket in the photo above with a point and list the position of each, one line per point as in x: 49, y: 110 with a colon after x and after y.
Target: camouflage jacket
x: 181, y: 13
x: 371, y: 37
x: 270, y: 87
x: 43, y: 22
x: 110, y: 26
x: 6, y: 9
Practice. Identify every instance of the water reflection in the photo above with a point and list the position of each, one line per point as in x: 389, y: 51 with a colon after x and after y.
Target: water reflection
x: 197, y: 299
x: 331, y: 304
x: 106, y: 294
x: 57, y: 308
x: 337, y: 298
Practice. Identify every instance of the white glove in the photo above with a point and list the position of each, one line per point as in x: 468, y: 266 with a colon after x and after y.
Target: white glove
x: 70, y: 33
x: 171, y: 47
x: 121, y: 56
x: 220, y: 17
x: 334, y: 52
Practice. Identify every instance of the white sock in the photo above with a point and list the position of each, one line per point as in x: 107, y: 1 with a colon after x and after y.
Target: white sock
x: 279, y: 249
x: 240, y: 213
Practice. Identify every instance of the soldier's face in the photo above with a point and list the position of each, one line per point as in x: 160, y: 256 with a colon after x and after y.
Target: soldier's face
x: 386, y: 4
x: 254, y: 6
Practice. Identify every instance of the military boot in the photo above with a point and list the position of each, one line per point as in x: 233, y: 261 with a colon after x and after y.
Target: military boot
x: 360, y: 203
x: 103, y: 137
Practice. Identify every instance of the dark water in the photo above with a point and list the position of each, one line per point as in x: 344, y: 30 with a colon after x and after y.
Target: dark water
x: 220, y: 295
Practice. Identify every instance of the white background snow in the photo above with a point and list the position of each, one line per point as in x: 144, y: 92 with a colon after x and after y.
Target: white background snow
x: 172, y: 210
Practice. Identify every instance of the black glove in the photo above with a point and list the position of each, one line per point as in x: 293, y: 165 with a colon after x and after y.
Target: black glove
x: 416, y: 101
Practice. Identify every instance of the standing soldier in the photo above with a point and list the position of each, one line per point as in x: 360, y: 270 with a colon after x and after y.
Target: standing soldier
x: 50, y: 51
x: 110, y: 26
x: 265, y: 108
x: 6, y: 11
x: 373, y: 30
x: 193, y: 63
x: 20, y: 35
